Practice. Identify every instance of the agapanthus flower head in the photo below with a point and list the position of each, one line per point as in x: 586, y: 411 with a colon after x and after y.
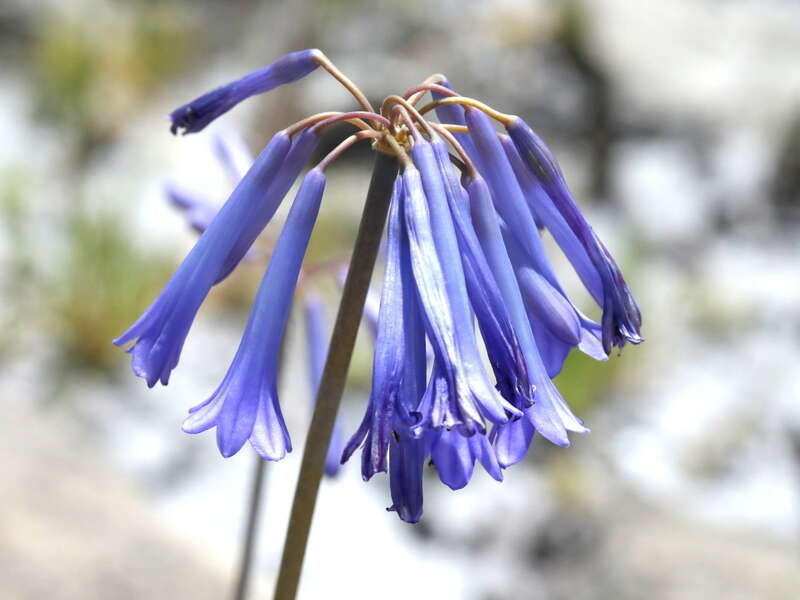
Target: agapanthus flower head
x: 472, y: 323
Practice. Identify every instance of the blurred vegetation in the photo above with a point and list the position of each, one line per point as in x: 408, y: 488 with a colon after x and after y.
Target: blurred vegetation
x: 89, y: 76
x: 101, y: 287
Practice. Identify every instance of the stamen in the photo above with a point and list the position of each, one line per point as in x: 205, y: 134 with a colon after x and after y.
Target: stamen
x: 350, y: 117
x: 456, y: 128
x: 351, y: 87
x: 392, y: 100
x: 396, y: 149
x: 436, y: 78
x: 409, y: 123
x: 343, y: 146
x: 496, y: 115
x: 418, y: 91
x: 308, y: 121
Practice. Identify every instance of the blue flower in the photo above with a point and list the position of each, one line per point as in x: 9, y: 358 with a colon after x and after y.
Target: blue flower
x: 194, y: 116
x: 622, y: 319
x: 472, y: 323
x: 245, y: 405
x: 159, y: 334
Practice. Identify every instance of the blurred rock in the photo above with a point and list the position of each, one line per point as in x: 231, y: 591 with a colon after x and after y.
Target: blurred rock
x: 72, y: 528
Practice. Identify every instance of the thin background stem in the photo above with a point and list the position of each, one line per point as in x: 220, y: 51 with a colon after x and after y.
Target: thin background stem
x: 329, y: 394
x: 251, y: 528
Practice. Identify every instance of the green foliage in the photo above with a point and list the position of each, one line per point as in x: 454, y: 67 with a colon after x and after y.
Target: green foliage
x: 585, y: 382
x: 103, y: 286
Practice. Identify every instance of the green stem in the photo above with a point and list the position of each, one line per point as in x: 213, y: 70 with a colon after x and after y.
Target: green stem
x: 329, y: 394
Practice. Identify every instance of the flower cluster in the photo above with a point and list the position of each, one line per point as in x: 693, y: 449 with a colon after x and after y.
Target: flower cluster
x: 464, y: 247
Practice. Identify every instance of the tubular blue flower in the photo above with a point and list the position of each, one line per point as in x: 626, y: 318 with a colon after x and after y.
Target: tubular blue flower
x: 460, y: 252
x: 459, y: 385
x: 622, y: 319
x: 159, y: 334
x: 548, y: 414
x: 317, y: 342
x: 407, y: 452
x: 512, y: 207
x: 264, y: 207
x: 198, y: 113
x: 387, y: 370
x: 458, y: 393
x: 502, y: 346
x: 245, y: 405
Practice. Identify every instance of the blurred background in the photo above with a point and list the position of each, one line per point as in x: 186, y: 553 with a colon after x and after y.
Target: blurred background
x: 678, y: 126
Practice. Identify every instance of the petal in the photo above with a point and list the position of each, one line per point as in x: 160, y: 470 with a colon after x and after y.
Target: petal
x: 270, y: 438
x: 622, y: 318
x: 472, y: 386
x: 246, y: 400
x: 276, y: 184
x: 198, y: 113
x: 452, y: 455
x: 512, y: 440
x: 160, y: 332
x: 502, y: 345
x: 406, y: 460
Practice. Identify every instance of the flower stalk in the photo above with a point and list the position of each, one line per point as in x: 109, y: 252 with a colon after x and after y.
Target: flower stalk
x: 334, y: 376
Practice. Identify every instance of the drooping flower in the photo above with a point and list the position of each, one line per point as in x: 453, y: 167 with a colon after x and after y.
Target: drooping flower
x: 622, y: 319
x: 473, y: 323
x: 194, y: 116
x: 158, y: 335
x: 245, y: 405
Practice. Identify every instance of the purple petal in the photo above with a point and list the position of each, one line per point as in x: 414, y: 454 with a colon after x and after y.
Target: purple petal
x: 387, y: 366
x: 511, y: 442
x: 246, y: 402
x: 279, y: 181
x: 194, y: 116
x: 454, y: 456
x: 622, y: 319
x: 160, y: 332
x: 406, y: 460
x: 549, y: 307
x: 502, y: 345
x: 462, y: 363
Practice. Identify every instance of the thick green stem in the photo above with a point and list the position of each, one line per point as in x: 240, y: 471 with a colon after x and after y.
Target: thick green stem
x: 329, y: 394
